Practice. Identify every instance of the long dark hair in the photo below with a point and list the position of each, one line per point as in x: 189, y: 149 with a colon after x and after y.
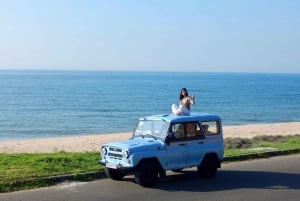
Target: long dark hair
x: 180, y: 95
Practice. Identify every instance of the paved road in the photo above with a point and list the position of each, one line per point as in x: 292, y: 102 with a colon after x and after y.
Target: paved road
x: 275, y: 179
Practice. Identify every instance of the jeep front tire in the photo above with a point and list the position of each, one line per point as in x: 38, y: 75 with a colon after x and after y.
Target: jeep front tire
x: 114, y: 174
x: 147, y: 173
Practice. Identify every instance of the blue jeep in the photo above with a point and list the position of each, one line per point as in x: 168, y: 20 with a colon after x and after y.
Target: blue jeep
x: 166, y: 142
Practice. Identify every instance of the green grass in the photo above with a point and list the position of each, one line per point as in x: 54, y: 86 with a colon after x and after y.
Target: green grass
x: 30, y: 169
x: 239, y: 146
x: 23, y: 171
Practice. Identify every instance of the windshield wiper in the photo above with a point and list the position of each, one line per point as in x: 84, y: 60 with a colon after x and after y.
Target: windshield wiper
x: 149, y: 135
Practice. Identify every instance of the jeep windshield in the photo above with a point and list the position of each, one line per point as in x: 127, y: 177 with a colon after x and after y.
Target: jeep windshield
x: 151, y: 128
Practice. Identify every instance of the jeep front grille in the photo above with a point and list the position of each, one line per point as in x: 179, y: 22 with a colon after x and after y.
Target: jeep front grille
x: 115, y: 156
x: 115, y: 153
x: 115, y: 149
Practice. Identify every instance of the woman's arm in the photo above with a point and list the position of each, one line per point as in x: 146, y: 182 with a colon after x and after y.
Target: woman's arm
x: 192, y: 99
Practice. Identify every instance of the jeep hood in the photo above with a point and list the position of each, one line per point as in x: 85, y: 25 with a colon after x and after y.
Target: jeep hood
x: 138, y: 144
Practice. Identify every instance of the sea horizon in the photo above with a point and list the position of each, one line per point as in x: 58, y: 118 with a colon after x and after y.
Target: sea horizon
x: 29, y: 70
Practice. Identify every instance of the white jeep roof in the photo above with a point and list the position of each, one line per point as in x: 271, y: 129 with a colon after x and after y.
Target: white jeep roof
x: 187, y: 118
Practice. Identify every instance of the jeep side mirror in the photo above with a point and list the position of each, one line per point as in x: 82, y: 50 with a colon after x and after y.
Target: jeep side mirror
x: 167, y: 140
x: 170, y: 137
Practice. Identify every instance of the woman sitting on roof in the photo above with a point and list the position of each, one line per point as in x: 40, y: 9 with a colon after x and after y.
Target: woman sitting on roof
x: 184, y: 103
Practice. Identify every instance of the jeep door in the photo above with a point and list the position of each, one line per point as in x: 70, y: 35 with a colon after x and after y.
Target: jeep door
x: 195, y: 143
x: 177, y: 151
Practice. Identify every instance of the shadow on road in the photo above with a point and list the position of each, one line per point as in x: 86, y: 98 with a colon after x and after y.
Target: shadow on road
x: 229, y: 179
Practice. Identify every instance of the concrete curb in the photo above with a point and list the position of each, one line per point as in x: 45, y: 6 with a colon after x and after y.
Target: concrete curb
x: 266, y: 154
x: 76, y: 177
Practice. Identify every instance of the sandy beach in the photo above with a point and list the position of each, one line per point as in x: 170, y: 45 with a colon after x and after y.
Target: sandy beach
x: 92, y: 142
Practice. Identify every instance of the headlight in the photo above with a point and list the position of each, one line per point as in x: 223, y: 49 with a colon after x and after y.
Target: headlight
x: 125, y: 154
x: 103, y: 151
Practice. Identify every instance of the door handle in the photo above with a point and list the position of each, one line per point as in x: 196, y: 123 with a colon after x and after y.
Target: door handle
x: 182, y: 144
x: 201, y: 142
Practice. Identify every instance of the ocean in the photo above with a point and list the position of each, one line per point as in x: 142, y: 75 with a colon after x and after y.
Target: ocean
x: 41, y: 104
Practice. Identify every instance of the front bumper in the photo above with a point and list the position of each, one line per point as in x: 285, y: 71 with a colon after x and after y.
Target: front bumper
x: 116, y: 166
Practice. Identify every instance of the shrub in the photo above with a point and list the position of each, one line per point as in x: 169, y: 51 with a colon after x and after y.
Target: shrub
x: 237, y: 143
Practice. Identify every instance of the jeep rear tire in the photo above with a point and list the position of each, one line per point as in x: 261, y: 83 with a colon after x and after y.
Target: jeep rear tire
x: 147, y: 173
x: 208, y: 167
x: 114, y: 174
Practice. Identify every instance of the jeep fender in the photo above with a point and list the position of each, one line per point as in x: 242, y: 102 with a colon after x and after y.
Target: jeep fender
x: 136, y: 158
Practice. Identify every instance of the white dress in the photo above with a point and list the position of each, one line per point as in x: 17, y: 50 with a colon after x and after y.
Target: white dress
x: 184, y: 104
x: 181, y: 110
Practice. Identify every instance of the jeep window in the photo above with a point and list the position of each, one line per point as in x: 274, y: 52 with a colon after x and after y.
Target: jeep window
x: 176, y: 132
x: 184, y: 131
x: 154, y: 128
x: 179, y: 131
x: 193, y: 130
x: 211, y: 127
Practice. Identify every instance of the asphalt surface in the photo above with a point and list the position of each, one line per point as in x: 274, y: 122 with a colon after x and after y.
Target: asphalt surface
x: 276, y: 179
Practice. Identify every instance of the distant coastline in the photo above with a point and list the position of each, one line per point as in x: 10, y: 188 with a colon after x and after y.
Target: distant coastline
x: 93, y: 142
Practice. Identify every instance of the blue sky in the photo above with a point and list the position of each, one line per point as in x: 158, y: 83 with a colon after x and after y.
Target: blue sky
x: 151, y: 35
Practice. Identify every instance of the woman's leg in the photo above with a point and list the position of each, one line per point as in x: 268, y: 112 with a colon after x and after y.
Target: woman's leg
x: 183, y: 110
x: 174, y: 109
